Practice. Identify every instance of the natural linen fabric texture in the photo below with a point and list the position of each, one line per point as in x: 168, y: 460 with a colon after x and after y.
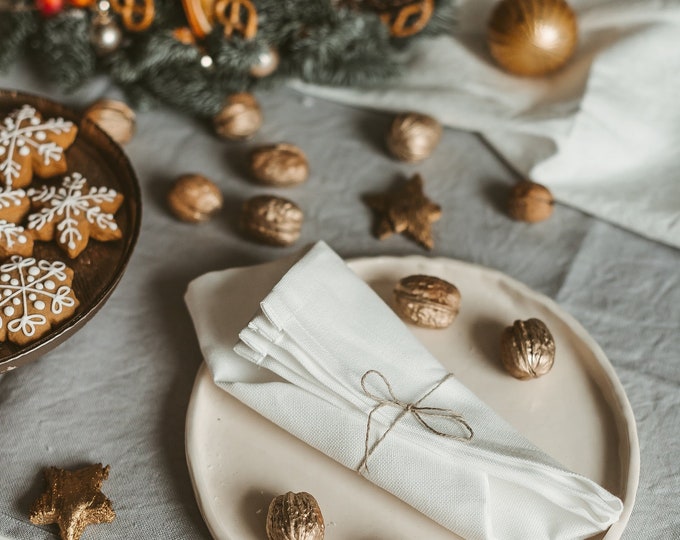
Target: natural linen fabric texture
x: 602, y: 132
x: 316, y: 333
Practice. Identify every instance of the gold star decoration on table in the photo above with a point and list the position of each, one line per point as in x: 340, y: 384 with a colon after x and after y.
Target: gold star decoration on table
x: 73, y: 500
x: 405, y: 210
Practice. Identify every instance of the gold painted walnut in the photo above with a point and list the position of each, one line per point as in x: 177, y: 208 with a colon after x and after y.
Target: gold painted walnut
x: 530, y: 202
x: 194, y: 198
x: 279, y: 165
x: 413, y: 137
x: 271, y: 220
x: 527, y: 349
x: 427, y: 301
x: 295, y: 516
x: 240, y: 117
x: 114, y: 117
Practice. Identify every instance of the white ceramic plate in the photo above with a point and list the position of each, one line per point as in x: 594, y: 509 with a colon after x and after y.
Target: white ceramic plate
x: 578, y: 413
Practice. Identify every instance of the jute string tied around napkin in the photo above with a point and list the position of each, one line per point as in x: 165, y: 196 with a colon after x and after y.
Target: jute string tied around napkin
x: 418, y: 412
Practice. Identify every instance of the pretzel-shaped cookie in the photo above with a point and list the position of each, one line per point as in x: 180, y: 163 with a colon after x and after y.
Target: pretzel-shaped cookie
x: 237, y: 15
x: 137, y: 15
x: 409, y: 19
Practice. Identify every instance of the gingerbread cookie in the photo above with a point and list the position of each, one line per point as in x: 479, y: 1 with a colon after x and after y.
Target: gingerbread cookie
x: 34, y: 295
x: 72, y: 213
x: 30, y: 145
x: 14, y: 240
x: 14, y: 204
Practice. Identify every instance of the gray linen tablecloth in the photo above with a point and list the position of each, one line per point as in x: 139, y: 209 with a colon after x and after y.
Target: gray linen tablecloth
x: 118, y: 390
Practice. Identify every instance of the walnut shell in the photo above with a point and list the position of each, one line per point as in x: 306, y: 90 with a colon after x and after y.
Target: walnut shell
x: 295, y: 516
x: 194, y: 198
x: 114, y: 117
x: 279, y: 165
x: 530, y: 202
x: 240, y: 117
x: 527, y: 349
x: 413, y: 137
x: 427, y: 301
x: 272, y: 220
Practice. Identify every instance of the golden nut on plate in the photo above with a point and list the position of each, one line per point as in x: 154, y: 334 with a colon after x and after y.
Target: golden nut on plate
x: 279, y: 165
x: 530, y: 202
x: 272, y: 220
x: 413, y: 137
x: 240, y: 117
x: 194, y: 198
x: 295, y: 516
x: 527, y: 349
x: 113, y: 117
x: 532, y: 37
x: 427, y: 301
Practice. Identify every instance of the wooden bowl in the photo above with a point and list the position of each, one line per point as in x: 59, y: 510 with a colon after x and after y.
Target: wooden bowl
x: 100, y: 266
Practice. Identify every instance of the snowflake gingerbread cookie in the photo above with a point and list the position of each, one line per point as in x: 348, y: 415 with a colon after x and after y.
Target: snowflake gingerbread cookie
x: 34, y: 295
x: 74, y: 212
x: 14, y: 240
x: 31, y: 145
x: 14, y: 204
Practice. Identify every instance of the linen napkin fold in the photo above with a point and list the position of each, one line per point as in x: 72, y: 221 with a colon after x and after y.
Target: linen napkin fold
x: 319, y: 334
x: 602, y: 132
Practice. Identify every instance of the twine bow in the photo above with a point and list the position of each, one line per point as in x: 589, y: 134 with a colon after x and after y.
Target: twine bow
x: 418, y: 412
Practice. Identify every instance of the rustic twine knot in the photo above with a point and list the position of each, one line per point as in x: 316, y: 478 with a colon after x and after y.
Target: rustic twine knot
x: 418, y: 412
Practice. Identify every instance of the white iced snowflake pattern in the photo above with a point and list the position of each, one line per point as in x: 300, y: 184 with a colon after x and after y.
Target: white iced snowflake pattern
x: 11, y: 197
x: 23, y: 133
x: 33, y: 294
x: 68, y: 205
x: 12, y: 234
x: 14, y: 204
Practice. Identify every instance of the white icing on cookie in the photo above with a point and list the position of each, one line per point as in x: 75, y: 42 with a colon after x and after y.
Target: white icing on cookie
x: 24, y: 132
x: 22, y: 302
x: 11, y: 234
x: 11, y: 197
x: 64, y: 205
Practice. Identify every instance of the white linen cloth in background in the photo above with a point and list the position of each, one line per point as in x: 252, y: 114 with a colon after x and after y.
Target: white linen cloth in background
x: 603, y: 133
x: 316, y: 333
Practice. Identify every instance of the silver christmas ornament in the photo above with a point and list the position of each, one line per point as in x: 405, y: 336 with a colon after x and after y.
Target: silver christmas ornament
x: 267, y: 62
x: 105, y: 35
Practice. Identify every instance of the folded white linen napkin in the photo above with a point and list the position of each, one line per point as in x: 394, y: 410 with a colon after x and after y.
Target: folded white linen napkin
x: 602, y: 133
x: 319, y: 334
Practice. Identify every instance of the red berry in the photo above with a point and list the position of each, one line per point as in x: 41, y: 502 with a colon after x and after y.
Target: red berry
x: 49, y: 8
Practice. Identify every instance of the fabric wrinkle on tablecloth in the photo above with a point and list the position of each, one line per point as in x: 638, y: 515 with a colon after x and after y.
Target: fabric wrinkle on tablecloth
x: 602, y: 133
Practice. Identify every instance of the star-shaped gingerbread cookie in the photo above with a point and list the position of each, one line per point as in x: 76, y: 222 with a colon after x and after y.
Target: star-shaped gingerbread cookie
x: 73, y: 212
x: 35, y: 295
x: 14, y: 240
x: 405, y: 210
x: 14, y: 204
x: 73, y: 500
x: 31, y: 145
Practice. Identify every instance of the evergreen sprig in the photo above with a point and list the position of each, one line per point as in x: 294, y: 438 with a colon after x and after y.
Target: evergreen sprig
x: 317, y: 41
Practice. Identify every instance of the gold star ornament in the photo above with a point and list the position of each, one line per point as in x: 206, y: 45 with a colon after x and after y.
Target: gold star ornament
x: 405, y: 210
x: 73, y: 500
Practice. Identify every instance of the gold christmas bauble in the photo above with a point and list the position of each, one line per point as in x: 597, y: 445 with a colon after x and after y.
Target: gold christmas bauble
x: 532, y: 37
